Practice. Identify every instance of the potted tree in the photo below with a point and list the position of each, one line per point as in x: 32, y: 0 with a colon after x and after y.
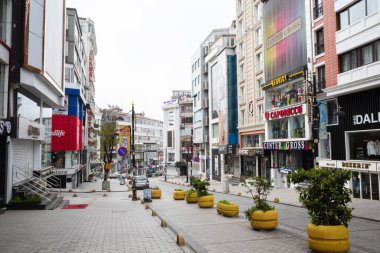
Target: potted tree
x: 226, y: 208
x: 326, y: 198
x: 205, y: 199
x: 261, y: 215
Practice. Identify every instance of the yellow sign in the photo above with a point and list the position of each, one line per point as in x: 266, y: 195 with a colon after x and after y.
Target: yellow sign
x: 125, y: 137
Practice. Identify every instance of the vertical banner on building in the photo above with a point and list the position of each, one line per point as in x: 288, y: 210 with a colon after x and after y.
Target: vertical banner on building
x: 124, y: 141
x: 284, y: 37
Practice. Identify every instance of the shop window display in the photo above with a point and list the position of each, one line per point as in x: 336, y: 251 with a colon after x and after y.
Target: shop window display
x: 298, y: 127
x: 365, y: 145
x: 279, y: 129
x: 283, y: 96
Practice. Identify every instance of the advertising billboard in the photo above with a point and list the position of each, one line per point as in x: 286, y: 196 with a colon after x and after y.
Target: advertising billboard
x: 284, y: 37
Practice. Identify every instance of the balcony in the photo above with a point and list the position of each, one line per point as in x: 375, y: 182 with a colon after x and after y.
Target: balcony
x: 362, y: 75
x: 365, y: 30
x: 320, y: 84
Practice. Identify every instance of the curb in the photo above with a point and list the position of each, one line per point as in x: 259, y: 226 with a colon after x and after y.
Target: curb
x: 289, y: 204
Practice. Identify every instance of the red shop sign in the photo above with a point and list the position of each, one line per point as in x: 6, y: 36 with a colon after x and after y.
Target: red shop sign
x: 283, y: 113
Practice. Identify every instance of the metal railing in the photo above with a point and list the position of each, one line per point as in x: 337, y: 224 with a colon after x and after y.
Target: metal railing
x: 47, y: 176
x: 318, y: 11
x: 31, y: 183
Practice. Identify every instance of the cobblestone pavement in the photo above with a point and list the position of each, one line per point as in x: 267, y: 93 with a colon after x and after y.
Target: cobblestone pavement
x: 208, y: 232
x: 109, y: 224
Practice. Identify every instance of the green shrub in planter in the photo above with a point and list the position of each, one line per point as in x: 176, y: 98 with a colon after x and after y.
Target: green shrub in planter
x: 326, y: 199
x: 261, y: 215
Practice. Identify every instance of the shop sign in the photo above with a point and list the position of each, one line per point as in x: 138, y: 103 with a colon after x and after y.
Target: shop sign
x: 360, y: 165
x: 59, y: 172
x: 231, y: 149
x: 286, y: 145
x: 242, y: 151
x: 327, y: 163
x: 283, y: 79
x: 30, y: 130
x: 222, y: 149
x: 5, y: 127
x: 366, y: 119
x: 286, y: 112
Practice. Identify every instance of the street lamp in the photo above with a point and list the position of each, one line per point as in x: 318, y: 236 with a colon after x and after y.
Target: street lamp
x: 134, y: 197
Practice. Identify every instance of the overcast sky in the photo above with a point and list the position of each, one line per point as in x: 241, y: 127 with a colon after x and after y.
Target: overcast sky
x: 145, y: 47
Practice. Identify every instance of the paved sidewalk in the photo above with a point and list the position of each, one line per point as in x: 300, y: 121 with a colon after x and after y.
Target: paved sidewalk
x: 109, y: 224
x: 367, y: 209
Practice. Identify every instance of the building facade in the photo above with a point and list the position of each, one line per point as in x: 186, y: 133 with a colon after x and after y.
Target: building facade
x: 250, y: 66
x: 176, y: 133
x: 36, y: 80
x: 223, y: 133
x: 200, y: 93
x: 350, y: 69
x: 288, y: 141
x: 68, y: 125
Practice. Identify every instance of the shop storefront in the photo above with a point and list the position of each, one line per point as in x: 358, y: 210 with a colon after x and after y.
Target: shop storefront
x: 353, y: 142
x: 6, y: 129
x: 286, y: 157
x: 253, y: 163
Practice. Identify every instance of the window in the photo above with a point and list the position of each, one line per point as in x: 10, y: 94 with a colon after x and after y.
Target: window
x: 259, y: 92
x: 325, y: 147
x: 170, y: 139
x: 319, y: 45
x: 297, y: 127
x: 3, y: 92
x: 318, y: 9
x: 332, y: 107
x: 357, y: 11
x: 215, y: 130
x: 241, y: 72
x: 360, y: 56
x: 242, y: 118
x: 279, y: 129
x: 241, y: 50
x: 251, y: 140
x: 260, y: 113
x: 259, y: 62
x: 258, y: 12
x: 259, y: 36
x: 321, y: 84
x: 240, y: 28
x: 242, y: 95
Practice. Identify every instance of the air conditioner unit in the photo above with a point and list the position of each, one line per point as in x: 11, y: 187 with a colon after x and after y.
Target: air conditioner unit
x: 206, y: 138
x: 182, y: 125
x: 205, y: 103
x: 205, y: 68
x: 205, y: 85
x: 205, y: 121
x: 205, y: 50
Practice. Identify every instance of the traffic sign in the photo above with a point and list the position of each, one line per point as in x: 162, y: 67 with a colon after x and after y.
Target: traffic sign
x: 122, y: 151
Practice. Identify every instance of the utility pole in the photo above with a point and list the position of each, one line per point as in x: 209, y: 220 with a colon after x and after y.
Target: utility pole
x: 134, y: 197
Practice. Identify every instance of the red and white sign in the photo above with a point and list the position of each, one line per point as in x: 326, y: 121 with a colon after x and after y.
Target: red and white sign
x: 286, y: 112
x: 66, y: 133
x: 91, y: 67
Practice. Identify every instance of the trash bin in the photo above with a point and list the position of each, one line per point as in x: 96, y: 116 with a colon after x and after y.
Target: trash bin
x: 122, y: 180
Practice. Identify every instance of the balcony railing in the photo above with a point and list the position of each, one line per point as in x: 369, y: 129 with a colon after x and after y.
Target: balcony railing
x: 318, y: 11
x: 320, y: 84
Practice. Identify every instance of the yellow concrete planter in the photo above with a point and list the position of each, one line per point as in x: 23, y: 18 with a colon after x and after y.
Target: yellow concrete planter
x: 192, y: 197
x: 156, y: 194
x: 267, y: 220
x: 328, y: 238
x: 229, y: 210
x: 206, y: 201
x: 179, y: 195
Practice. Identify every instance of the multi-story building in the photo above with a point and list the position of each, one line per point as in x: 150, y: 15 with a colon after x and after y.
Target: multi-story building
x: 6, y: 125
x: 221, y: 63
x: 89, y: 137
x: 346, y: 35
x: 33, y: 43
x: 186, y: 130
x: 250, y: 66
x: 287, y: 52
x: 200, y: 91
x: 147, y: 140
x: 177, y: 127
x: 68, y: 125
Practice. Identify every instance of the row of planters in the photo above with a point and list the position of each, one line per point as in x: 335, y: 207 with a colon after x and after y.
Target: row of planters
x: 326, y: 198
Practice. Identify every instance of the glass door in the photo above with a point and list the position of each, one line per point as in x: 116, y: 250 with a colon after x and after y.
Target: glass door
x: 355, y: 184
